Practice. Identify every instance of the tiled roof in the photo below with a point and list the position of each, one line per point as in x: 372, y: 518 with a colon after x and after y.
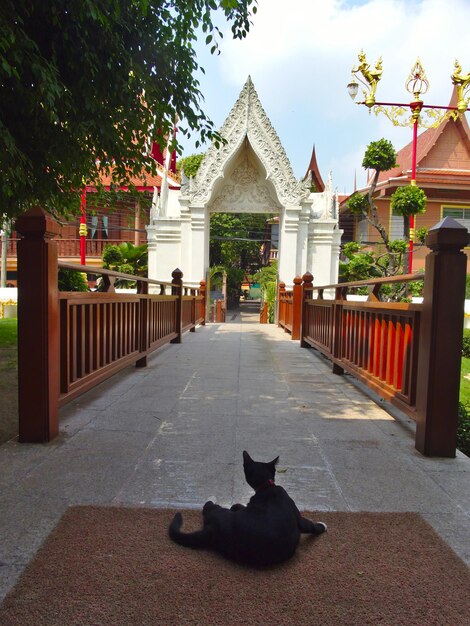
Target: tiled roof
x: 314, y: 172
x: 144, y: 182
x: 426, y: 141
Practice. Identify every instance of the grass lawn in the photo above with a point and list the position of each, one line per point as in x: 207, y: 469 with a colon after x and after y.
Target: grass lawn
x: 8, y: 380
x: 465, y: 382
x: 8, y: 332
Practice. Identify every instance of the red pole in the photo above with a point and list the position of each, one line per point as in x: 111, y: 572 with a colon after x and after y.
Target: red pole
x: 415, y: 111
x: 82, y: 228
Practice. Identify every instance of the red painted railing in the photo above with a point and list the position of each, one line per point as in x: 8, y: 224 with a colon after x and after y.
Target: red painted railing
x: 375, y: 341
x: 410, y: 354
x: 289, y: 307
x: 263, y: 313
x: 68, y: 342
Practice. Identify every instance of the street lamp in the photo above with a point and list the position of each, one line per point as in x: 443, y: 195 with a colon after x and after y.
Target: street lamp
x: 417, y: 85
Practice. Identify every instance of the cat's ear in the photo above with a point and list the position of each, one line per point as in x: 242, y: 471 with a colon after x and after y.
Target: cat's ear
x: 246, y: 457
x: 274, y: 462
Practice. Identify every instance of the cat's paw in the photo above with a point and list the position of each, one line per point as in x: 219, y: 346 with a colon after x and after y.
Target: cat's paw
x: 237, y: 507
x: 320, y: 528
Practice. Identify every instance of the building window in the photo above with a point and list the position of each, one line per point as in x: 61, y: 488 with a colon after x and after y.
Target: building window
x: 362, y: 229
x: 396, y: 226
x: 461, y: 214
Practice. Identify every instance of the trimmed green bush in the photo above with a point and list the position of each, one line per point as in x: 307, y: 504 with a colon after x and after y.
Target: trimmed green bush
x: 463, y: 429
x: 70, y: 280
x: 466, y: 343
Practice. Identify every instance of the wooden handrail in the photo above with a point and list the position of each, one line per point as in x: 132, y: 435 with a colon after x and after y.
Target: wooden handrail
x: 408, y: 353
x: 382, y: 280
x: 68, y: 342
x: 90, y: 269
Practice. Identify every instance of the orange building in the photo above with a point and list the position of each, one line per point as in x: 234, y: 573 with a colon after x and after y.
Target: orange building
x: 125, y: 221
x: 443, y: 172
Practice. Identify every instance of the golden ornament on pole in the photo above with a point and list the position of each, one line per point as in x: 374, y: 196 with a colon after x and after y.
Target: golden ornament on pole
x: 417, y: 85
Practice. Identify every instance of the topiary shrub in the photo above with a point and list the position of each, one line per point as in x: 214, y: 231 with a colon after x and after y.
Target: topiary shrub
x: 463, y: 429
x: 466, y: 343
x: 70, y: 280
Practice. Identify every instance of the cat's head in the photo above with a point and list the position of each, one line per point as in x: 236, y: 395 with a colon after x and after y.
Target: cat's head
x: 256, y: 472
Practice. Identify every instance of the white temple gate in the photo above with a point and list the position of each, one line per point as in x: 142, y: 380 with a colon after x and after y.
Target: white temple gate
x: 249, y: 174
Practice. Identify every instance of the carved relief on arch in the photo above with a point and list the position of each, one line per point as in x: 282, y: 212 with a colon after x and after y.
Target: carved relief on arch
x: 247, y: 119
x: 268, y: 148
x: 245, y: 191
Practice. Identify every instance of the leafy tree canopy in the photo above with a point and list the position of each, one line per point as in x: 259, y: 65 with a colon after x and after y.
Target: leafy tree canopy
x: 190, y: 164
x: 408, y: 200
x: 358, y: 204
x: 236, y: 239
x: 380, y: 156
x: 267, y: 274
x: 83, y: 83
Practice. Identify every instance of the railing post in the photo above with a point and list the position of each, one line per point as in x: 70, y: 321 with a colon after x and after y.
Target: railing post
x: 202, y: 292
x: 38, y: 327
x: 263, y: 314
x: 336, y: 329
x: 193, y: 293
x: 143, y: 289
x: 281, y: 315
x: 296, y: 307
x: 177, y: 290
x: 307, y: 291
x: 440, y: 345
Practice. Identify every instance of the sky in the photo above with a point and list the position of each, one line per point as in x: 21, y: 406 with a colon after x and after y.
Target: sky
x: 299, y: 54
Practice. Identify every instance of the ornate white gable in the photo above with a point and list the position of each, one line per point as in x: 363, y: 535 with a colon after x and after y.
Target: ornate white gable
x: 247, y: 119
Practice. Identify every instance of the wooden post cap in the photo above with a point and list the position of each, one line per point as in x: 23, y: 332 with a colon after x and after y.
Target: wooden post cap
x: 447, y: 234
x: 177, y: 274
x: 37, y: 224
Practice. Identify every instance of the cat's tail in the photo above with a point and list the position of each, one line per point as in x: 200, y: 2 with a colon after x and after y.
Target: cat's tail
x: 198, y: 539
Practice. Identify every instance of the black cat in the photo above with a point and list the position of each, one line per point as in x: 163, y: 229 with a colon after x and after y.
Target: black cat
x: 265, y: 531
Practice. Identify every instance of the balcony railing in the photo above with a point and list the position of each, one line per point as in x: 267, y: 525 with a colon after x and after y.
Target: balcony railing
x: 70, y: 248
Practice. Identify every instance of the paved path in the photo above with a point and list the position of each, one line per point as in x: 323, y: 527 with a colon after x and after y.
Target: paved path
x: 172, y: 435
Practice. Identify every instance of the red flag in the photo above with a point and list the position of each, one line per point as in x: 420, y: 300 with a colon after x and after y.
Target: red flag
x: 173, y: 154
x: 156, y: 152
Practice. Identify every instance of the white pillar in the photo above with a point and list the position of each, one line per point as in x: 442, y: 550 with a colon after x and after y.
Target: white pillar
x: 288, y: 234
x: 302, y: 242
x: 323, y: 251
x: 164, y: 239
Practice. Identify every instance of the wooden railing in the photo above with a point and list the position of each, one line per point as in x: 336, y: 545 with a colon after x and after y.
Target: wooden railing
x: 410, y: 354
x: 263, y: 313
x: 289, y: 307
x: 375, y: 341
x: 68, y: 342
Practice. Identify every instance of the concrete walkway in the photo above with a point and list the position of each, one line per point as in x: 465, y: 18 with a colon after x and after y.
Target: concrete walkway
x: 172, y: 435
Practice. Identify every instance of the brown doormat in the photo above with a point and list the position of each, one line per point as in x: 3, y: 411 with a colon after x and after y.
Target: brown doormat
x: 105, y: 565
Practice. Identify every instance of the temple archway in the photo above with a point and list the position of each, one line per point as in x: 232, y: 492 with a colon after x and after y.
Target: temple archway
x: 250, y: 173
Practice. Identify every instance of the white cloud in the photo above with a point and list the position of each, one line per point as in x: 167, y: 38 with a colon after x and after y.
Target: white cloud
x: 300, y: 54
